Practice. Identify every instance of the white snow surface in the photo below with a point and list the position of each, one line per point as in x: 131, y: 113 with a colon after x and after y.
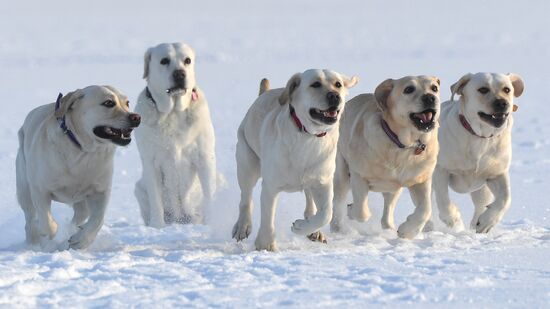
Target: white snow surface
x: 48, y: 47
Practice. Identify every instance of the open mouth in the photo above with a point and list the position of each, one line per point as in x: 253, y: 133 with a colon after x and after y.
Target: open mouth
x: 496, y: 119
x: 425, y: 120
x: 327, y: 116
x: 120, y: 137
x: 176, y: 90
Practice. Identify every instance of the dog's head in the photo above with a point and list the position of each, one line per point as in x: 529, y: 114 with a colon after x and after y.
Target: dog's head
x: 410, y: 100
x: 169, y: 69
x: 488, y: 97
x: 99, y: 114
x: 318, y: 96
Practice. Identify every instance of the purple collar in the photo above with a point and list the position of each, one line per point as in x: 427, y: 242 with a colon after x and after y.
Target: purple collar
x: 468, y: 127
x: 418, y: 148
x: 63, y: 124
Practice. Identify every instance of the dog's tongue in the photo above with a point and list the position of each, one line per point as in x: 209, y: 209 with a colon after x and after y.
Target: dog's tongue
x: 425, y: 116
x: 332, y: 113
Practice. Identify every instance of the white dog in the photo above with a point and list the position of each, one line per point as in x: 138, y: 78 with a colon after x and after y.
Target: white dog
x: 66, y: 154
x: 289, y: 137
x: 476, y: 148
x: 388, y: 141
x: 175, y: 140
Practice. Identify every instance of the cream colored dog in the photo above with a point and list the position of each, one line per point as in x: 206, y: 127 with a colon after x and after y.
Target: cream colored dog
x: 66, y: 154
x: 176, y: 140
x: 476, y: 148
x: 289, y: 137
x: 388, y: 141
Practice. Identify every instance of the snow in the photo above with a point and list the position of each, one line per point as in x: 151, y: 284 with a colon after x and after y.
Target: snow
x: 49, y: 47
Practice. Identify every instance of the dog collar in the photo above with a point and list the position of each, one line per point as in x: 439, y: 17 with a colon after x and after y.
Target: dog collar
x: 299, y: 124
x: 63, y: 124
x: 194, y: 95
x: 468, y: 127
x: 418, y: 148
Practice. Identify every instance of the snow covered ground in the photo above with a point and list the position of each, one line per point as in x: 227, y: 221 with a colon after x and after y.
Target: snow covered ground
x: 48, y: 47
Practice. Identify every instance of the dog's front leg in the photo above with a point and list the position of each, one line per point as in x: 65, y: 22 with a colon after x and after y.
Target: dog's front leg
x: 310, y: 211
x: 448, y: 212
x: 500, y: 187
x: 266, y: 235
x: 359, y: 210
x: 341, y: 188
x: 154, y: 193
x: 421, y: 197
x: 390, y: 200
x: 97, y: 204
x: 207, y: 175
x: 322, y: 197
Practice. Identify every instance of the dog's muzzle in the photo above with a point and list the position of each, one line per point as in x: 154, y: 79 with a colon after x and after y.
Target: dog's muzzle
x: 179, y: 78
x: 333, y: 99
x: 118, y: 136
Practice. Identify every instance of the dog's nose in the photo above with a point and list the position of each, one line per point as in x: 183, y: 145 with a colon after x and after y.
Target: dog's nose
x: 179, y: 76
x: 135, y: 119
x: 333, y: 98
x: 500, y: 105
x: 428, y: 98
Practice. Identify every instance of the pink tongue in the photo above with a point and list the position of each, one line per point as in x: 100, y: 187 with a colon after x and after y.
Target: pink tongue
x: 426, y: 117
x: 333, y: 114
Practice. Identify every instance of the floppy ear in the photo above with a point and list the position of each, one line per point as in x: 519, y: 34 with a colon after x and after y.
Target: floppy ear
x: 67, y: 101
x: 146, y: 60
x: 517, y: 82
x: 382, y: 93
x: 350, y: 82
x: 457, y: 87
x: 291, y: 85
x: 437, y: 80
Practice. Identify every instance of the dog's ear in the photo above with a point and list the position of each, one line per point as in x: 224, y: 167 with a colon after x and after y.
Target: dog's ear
x: 457, y: 87
x: 67, y: 101
x: 350, y: 82
x: 291, y: 85
x: 382, y: 93
x: 146, y: 61
x: 517, y: 82
x: 437, y: 80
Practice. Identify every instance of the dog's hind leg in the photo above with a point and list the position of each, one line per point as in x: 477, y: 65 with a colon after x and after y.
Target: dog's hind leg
x: 24, y: 197
x: 81, y: 213
x: 481, y: 198
x: 341, y: 189
x: 390, y: 200
x: 248, y: 173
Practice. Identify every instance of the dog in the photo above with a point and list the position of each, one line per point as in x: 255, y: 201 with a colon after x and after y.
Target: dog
x: 175, y: 141
x: 288, y: 137
x: 476, y: 148
x: 388, y: 140
x: 65, y: 154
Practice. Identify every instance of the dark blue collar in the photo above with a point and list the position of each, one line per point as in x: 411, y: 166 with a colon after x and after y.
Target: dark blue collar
x: 63, y: 124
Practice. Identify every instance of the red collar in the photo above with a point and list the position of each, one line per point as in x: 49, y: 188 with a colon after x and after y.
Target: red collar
x: 299, y: 123
x: 468, y: 127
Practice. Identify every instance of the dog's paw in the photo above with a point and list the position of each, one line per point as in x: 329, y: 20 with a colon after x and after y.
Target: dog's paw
x: 452, y: 220
x: 336, y: 226
x: 157, y: 223
x: 428, y: 227
x: 80, y: 240
x: 359, y: 214
x: 409, y: 229
x: 487, y: 221
x: 265, y: 244
x: 317, y: 236
x: 241, y: 230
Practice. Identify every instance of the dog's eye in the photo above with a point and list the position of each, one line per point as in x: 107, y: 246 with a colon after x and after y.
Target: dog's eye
x: 434, y: 88
x: 187, y: 60
x: 164, y: 61
x: 483, y: 90
x: 316, y: 85
x: 128, y: 103
x: 109, y: 103
x: 338, y: 85
x: 409, y: 89
x: 506, y: 90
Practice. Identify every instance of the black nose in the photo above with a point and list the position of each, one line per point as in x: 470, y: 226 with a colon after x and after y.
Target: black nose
x: 135, y: 119
x: 428, y: 99
x: 179, y: 77
x: 333, y: 98
x: 500, y: 105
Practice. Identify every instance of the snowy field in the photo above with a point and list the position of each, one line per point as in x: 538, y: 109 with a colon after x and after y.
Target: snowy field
x: 48, y: 47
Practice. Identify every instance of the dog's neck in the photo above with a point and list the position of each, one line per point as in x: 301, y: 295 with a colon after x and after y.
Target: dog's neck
x: 404, y: 137
x: 478, y: 128
x: 166, y: 103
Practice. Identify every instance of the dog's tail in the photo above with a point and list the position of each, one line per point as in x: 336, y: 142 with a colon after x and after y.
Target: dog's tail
x: 264, y: 86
